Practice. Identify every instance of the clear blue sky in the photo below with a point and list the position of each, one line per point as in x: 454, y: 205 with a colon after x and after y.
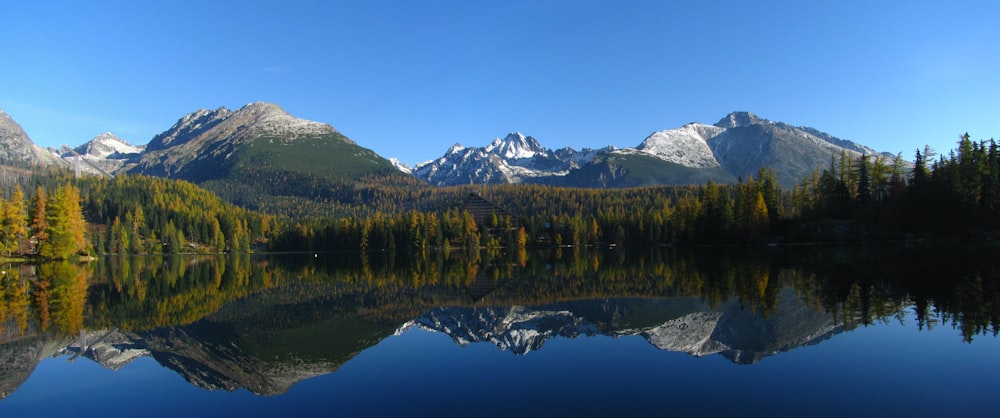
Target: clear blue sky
x: 409, y: 78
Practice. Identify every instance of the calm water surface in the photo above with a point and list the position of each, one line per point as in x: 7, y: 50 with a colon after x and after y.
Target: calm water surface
x: 582, y: 333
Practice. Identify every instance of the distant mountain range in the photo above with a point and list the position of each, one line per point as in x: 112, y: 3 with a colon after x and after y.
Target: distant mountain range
x: 261, y: 152
x: 736, y: 146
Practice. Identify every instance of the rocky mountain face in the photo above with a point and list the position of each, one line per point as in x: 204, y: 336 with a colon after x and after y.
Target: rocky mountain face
x: 746, y: 143
x: 736, y: 146
x: 513, y: 159
x: 17, y: 148
x: 259, y: 155
x: 206, y: 143
x: 241, y: 152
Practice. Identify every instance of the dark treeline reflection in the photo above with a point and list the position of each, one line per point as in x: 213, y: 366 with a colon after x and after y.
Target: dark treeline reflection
x: 857, y: 286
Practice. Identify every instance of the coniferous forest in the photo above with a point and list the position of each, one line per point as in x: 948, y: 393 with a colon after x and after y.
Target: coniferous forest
x: 856, y: 199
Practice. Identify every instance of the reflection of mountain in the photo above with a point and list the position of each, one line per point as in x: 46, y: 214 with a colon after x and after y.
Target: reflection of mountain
x: 516, y: 328
x: 19, y: 357
x: 211, y: 357
x: 268, y: 342
x: 676, y: 324
x: 265, y: 326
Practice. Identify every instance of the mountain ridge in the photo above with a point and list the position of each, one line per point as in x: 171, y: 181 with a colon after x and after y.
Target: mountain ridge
x: 228, y: 146
x: 735, y: 147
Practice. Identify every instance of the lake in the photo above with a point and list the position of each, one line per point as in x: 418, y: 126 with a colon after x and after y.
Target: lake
x: 566, y: 332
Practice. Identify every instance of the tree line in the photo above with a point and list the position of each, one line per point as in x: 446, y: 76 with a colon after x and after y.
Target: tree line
x: 66, y: 216
x: 136, y: 293
x: 855, y: 198
x: 51, y: 225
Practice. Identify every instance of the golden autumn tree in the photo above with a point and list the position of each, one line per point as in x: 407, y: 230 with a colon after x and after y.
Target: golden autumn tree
x: 39, y: 227
x: 14, y: 223
x: 66, y: 226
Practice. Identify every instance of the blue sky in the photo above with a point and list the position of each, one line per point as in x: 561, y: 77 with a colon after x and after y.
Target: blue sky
x: 409, y: 78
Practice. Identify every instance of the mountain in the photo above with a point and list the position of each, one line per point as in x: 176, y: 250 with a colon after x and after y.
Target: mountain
x: 207, y: 144
x: 514, y: 159
x: 259, y: 154
x: 17, y: 148
x: 687, y: 145
x: 628, y: 168
x: 746, y: 143
x: 104, y: 154
x: 735, y: 147
x: 107, y: 145
x: 261, y: 157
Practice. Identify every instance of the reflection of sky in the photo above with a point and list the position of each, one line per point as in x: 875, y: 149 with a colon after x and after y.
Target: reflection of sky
x: 879, y: 370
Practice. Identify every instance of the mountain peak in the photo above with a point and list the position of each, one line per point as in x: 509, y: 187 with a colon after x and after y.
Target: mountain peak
x: 262, y: 107
x: 515, y: 146
x: 270, y: 119
x: 106, y: 145
x: 739, y: 120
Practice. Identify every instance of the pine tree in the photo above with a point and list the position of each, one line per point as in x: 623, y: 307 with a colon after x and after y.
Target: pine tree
x: 864, y: 181
x: 119, y: 237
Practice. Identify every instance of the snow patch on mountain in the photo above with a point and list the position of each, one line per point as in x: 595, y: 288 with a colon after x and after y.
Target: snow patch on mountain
x: 691, y: 334
x: 106, y: 145
x: 512, y: 159
x: 514, y: 147
x: 401, y: 166
x: 516, y: 329
x: 687, y: 145
x: 102, y: 155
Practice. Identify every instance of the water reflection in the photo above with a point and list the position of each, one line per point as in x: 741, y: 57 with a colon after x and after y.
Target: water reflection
x: 265, y: 323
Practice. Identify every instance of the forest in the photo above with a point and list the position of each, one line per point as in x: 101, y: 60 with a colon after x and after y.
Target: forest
x: 855, y: 199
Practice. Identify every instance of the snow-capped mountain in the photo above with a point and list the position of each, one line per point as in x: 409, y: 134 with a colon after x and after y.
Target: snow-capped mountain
x: 105, y: 154
x: 401, y: 166
x: 106, y: 145
x: 737, y: 146
x: 748, y: 143
x: 261, y: 141
x: 514, y: 159
x: 687, y: 145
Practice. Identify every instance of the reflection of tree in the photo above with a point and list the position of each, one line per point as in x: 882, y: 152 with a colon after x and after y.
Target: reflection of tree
x: 147, y: 292
x: 64, y: 291
x: 133, y: 293
x: 15, y: 298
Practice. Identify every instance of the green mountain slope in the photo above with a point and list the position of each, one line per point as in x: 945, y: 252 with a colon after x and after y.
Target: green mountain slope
x: 260, y: 157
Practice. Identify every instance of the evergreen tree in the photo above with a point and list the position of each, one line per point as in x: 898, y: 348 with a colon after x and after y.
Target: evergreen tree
x: 119, y: 240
